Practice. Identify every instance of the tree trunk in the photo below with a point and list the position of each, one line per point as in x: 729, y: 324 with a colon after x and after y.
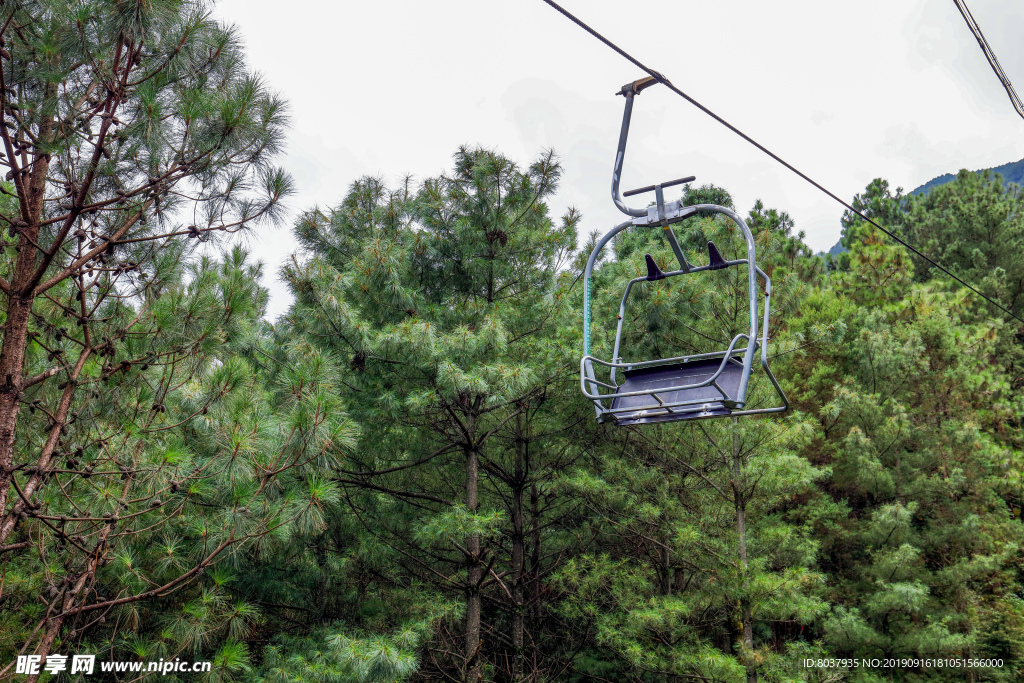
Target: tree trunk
x: 19, y: 302
x: 12, y: 361
x: 54, y: 623
x: 739, y: 500
x: 667, y: 572
x: 9, y: 520
x: 534, y: 610
x: 474, y: 575
x: 518, y: 559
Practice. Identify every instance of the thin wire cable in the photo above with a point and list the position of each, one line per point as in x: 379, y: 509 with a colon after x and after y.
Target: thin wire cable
x: 661, y: 79
x: 990, y: 56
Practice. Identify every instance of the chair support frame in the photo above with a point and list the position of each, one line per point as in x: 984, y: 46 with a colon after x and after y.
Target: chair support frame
x: 615, y: 404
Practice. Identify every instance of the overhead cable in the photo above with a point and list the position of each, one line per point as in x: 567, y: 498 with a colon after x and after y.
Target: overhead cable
x: 663, y: 80
x: 990, y: 56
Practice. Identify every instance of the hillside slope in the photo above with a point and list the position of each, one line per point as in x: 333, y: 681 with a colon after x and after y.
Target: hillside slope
x: 1012, y: 172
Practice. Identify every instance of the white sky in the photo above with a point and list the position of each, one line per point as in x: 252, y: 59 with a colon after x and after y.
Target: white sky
x: 847, y: 92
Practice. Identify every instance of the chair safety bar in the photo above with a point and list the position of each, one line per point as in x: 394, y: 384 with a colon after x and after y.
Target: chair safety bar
x: 677, y: 387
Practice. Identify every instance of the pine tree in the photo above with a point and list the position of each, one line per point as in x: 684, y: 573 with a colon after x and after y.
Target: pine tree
x: 913, y: 412
x: 445, y: 305
x: 131, y: 132
x: 115, y: 114
x: 974, y: 227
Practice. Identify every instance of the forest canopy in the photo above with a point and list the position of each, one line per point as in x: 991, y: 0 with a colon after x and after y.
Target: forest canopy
x: 398, y: 479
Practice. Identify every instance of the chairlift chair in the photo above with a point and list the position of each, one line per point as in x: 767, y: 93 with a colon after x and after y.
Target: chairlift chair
x: 704, y: 385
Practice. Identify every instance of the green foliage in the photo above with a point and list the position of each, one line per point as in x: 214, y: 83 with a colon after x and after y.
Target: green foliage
x: 919, y: 544
x: 139, y: 446
x: 329, y: 656
x: 872, y: 522
x: 973, y: 227
x: 446, y: 307
x: 399, y: 481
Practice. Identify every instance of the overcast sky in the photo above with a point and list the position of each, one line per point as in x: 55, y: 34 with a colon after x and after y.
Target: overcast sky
x: 847, y: 92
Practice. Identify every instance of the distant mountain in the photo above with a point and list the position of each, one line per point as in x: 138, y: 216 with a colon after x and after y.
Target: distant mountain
x: 836, y: 249
x: 1012, y: 172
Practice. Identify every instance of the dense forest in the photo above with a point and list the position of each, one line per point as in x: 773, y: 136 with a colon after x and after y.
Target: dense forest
x: 398, y: 480
x: 1012, y: 172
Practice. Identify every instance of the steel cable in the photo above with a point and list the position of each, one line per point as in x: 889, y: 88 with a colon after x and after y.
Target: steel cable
x: 663, y: 80
x: 990, y: 56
